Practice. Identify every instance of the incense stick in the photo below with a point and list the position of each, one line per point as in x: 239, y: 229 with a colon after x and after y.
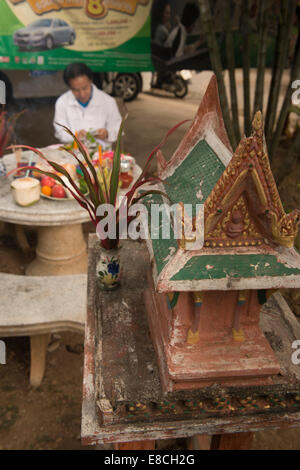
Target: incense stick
x: 18, y: 155
x: 29, y: 164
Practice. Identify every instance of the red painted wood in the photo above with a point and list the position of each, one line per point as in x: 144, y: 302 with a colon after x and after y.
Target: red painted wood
x: 237, y: 441
x: 137, y: 445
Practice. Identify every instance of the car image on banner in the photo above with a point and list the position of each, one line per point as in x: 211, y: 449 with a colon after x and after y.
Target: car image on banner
x: 39, y: 38
x: 44, y: 33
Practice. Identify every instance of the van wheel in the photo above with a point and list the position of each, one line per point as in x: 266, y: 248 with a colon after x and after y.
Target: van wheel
x: 126, y: 86
x: 72, y: 39
x: 8, y: 87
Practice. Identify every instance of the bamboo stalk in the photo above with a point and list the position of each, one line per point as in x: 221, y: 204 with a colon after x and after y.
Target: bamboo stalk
x: 295, y: 74
x: 291, y: 158
x: 231, y: 69
x: 288, y: 8
x: 262, y: 50
x: 216, y: 63
x: 246, y: 65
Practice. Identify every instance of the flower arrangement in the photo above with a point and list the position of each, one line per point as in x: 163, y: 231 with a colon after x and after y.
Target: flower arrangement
x: 100, y: 192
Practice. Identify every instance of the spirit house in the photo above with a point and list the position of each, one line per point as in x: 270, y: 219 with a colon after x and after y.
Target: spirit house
x: 204, y: 305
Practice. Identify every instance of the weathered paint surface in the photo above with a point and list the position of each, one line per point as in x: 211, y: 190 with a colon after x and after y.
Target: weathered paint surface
x: 163, y: 248
x: 215, y: 356
x: 200, y: 165
x: 234, y: 265
x: 208, y: 121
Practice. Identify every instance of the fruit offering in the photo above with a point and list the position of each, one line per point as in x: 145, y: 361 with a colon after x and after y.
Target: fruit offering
x: 50, y: 188
x: 58, y: 191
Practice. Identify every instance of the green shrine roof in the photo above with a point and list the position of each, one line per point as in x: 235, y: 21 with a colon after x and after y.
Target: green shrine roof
x: 175, y: 269
x: 194, y: 179
x: 202, y: 166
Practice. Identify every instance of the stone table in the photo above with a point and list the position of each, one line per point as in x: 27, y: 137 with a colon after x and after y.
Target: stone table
x: 61, y: 248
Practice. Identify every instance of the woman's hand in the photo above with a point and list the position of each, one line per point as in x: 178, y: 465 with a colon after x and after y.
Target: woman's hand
x: 81, y: 134
x: 101, y: 134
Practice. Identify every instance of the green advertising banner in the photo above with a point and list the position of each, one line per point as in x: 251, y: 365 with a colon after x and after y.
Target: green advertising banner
x: 108, y: 35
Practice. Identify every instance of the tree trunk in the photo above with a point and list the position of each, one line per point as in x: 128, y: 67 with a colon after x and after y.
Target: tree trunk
x: 231, y: 69
x: 263, y: 40
x: 288, y: 8
x: 216, y: 62
x: 246, y: 65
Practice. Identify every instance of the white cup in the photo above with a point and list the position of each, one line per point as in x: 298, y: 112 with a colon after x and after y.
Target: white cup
x: 26, y: 191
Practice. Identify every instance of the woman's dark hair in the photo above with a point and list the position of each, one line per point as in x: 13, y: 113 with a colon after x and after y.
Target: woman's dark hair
x: 190, y: 14
x: 76, y: 69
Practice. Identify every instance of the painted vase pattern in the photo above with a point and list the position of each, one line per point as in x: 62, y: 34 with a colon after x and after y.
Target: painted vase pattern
x: 108, y: 269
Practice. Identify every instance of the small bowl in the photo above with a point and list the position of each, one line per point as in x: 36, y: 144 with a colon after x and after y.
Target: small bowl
x: 26, y: 191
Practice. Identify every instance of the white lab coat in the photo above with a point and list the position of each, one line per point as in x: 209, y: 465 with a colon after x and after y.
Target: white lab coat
x: 101, y: 113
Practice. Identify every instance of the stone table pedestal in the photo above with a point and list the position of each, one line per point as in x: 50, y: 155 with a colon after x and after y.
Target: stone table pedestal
x: 60, y: 250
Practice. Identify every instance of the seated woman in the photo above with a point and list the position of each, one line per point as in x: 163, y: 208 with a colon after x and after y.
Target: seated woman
x: 85, y: 108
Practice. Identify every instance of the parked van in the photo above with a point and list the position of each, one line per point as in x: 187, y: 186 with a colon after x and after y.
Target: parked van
x: 42, y: 83
x: 32, y: 84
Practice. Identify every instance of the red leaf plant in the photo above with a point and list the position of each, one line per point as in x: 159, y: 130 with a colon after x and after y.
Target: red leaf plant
x: 6, y: 128
x: 97, y: 195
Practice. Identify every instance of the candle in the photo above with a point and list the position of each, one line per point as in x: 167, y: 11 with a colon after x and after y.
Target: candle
x: 29, y: 164
x: 18, y: 155
x: 100, y: 154
x: 75, y: 146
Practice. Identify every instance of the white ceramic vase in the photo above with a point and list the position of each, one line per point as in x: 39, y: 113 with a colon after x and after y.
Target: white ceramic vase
x: 108, y: 269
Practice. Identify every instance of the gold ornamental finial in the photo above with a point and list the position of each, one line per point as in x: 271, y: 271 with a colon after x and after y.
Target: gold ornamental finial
x: 286, y: 229
x: 257, y: 123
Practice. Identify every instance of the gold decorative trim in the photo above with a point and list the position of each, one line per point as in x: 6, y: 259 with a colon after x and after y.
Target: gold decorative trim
x: 251, y: 156
x: 249, y: 233
x: 198, y: 296
x: 259, y: 187
x: 192, y: 338
x: 285, y: 230
x: 238, y: 335
x: 242, y: 295
x: 184, y: 239
x: 237, y: 182
x: 257, y: 123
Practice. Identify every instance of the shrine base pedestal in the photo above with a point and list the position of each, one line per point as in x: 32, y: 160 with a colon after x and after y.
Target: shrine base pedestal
x: 187, y: 367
